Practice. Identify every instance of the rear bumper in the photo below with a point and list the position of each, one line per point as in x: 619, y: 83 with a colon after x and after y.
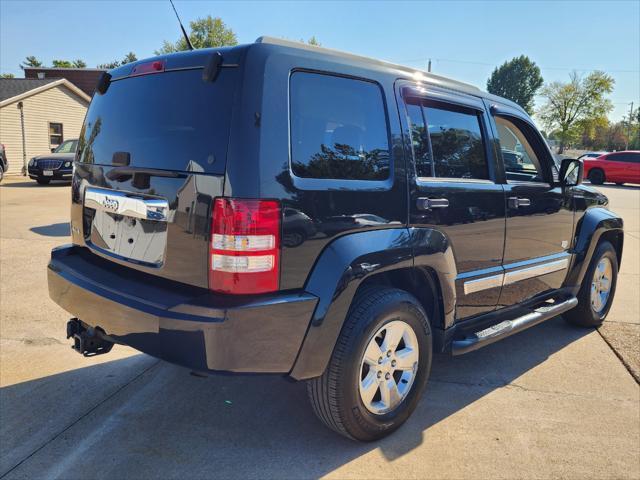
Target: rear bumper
x: 178, y: 323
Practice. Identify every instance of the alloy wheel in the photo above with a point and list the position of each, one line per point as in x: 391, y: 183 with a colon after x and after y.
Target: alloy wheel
x: 388, y: 367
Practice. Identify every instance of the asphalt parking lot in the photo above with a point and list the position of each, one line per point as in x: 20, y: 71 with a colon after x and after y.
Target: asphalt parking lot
x: 553, y: 401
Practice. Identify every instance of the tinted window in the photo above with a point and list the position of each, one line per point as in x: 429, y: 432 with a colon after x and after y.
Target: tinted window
x: 627, y: 157
x: 456, y: 143
x: 452, y: 137
x: 170, y: 120
x: 419, y: 140
x: 520, y: 161
x: 338, y: 128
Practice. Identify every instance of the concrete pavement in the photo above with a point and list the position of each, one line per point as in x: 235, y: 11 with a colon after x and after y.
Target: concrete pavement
x: 554, y: 401
x: 622, y: 328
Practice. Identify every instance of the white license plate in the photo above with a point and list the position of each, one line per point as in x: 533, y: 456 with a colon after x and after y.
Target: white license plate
x: 47, y: 173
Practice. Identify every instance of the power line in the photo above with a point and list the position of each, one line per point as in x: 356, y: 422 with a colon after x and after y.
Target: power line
x: 472, y: 62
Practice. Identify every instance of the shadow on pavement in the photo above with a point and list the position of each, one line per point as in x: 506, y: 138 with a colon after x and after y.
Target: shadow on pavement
x: 33, y: 184
x: 170, y: 424
x: 53, y: 230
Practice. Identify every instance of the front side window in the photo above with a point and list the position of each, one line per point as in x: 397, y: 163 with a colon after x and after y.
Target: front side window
x: 338, y: 128
x: 520, y: 160
x: 55, y: 133
x: 452, y: 137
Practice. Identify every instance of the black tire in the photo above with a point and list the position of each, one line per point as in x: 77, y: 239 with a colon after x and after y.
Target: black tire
x: 294, y: 239
x: 596, y: 176
x: 335, y: 395
x: 620, y: 184
x: 43, y: 181
x: 1, y: 173
x: 584, y: 315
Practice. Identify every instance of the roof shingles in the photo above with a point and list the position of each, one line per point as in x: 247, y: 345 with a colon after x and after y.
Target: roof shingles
x: 12, y: 87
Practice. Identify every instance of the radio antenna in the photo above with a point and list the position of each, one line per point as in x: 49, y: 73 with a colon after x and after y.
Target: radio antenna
x: 184, y: 32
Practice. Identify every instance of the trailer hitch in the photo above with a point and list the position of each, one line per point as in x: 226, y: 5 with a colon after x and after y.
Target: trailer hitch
x: 88, y: 341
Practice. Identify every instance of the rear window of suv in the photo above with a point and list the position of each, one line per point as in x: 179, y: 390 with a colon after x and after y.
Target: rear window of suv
x: 169, y: 121
x: 338, y: 128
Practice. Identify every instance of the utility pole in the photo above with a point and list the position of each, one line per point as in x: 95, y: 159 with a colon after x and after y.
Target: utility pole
x: 629, y: 127
x: 429, y: 66
x: 24, y: 141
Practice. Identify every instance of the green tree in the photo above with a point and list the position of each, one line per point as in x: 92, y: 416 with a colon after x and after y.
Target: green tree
x: 313, y: 41
x: 518, y: 80
x: 128, y: 58
x: 7, y: 75
x: 109, y: 65
x: 205, y: 33
x: 31, y: 61
x: 62, y: 64
x: 569, y: 103
x: 79, y: 64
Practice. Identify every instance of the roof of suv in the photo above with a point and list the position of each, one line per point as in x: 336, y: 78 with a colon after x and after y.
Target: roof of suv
x: 390, y: 67
x: 189, y: 59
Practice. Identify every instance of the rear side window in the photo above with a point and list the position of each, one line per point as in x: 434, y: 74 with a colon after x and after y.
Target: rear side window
x: 447, y: 143
x: 338, y: 128
x: 627, y: 157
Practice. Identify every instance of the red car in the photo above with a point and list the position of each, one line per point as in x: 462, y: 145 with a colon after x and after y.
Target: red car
x: 617, y: 167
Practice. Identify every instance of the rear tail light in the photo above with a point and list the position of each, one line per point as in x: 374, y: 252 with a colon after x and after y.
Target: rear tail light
x: 244, y: 251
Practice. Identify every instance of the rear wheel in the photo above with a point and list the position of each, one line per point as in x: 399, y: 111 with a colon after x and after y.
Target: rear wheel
x: 596, y: 176
x: 379, y: 367
x: 1, y: 173
x: 43, y: 181
x: 597, y: 290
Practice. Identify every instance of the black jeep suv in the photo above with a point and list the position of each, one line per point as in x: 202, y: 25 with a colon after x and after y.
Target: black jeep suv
x: 281, y: 208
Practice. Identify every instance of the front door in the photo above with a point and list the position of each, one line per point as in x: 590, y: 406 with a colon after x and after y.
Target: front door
x: 539, y: 213
x: 453, y: 189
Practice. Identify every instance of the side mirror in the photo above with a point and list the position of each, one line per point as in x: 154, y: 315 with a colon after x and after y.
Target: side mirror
x: 571, y: 172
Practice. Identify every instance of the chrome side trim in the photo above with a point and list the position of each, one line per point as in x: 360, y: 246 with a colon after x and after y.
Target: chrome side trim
x: 513, y: 276
x: 126, y: 204
x: 485, y: 283
x: 535, y: 271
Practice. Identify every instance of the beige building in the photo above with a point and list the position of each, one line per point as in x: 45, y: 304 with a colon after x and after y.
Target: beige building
x: 37, y: 115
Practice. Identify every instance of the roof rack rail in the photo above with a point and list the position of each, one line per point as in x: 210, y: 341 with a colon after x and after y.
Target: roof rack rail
x: 303, y: 46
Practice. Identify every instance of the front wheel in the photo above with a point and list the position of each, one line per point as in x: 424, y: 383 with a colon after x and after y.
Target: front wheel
x: 598, y: 288
x: 379, y: 367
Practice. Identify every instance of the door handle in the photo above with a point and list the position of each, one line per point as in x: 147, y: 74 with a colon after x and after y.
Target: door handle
x: 515, y: 202
x: 429, y: 203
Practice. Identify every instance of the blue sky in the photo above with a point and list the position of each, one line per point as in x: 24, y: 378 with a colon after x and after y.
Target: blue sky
x: 465, y: 40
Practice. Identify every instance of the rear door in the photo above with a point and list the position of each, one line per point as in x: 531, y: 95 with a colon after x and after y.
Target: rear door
x: 454, y: 188
x: 151, y: 158
x: 623, y: 167
x: 539, y: 213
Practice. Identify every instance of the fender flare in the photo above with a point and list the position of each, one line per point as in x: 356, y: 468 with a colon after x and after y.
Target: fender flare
x: 342, y: 267
x: 589, y: 229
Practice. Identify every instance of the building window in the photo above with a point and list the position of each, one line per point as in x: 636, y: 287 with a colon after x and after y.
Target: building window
x: 55, y: 134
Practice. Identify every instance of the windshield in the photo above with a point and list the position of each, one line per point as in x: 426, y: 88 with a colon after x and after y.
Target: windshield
x: 69, y: 146
x: 171, y: 121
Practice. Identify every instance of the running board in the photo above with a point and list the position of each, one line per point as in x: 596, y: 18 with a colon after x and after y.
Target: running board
x: 509, y: 327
